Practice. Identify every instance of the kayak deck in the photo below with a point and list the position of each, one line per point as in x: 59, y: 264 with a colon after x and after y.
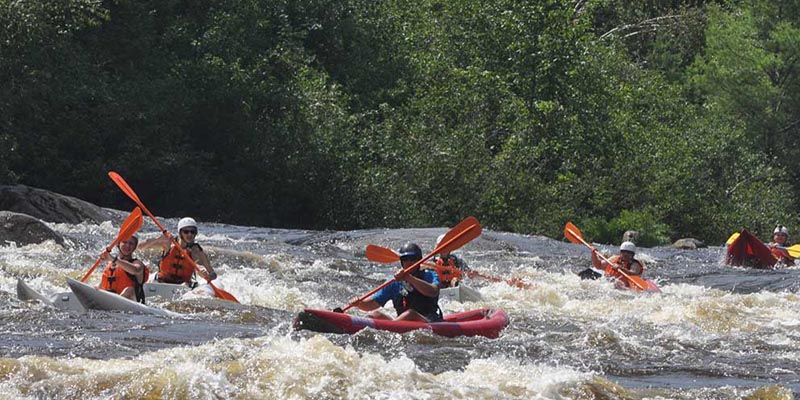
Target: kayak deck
x: 481, y: 322
x: 61, y: 301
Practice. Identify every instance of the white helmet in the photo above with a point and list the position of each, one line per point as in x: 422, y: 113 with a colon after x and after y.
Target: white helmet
x: 186, y: 222
x: 628, y: 246
x: 439, y: 240
x: 781, y: 229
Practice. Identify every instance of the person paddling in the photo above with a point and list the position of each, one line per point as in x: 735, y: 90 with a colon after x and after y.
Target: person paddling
x: 173, y: 268
x: 780, y: 241
x: 624, y: 262
x: 415, y: 295
x: 449, y: 267
x: 125, y: 275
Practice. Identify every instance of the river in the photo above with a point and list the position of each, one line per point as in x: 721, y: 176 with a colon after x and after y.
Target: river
x: 715, y: 332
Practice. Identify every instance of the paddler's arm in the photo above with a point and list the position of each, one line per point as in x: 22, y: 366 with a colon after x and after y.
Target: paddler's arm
x: 162, y: 241
x: 424, y: 287
x: 365, y: 305
x: 202, y: 261
x: 636, y: 269
x: 596, y: 261
x: 135, y: 268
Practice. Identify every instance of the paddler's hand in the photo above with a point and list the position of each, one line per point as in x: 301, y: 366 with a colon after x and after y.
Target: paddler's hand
x: 105, y: 256
x: 354, y: 301
x: 400, y: 275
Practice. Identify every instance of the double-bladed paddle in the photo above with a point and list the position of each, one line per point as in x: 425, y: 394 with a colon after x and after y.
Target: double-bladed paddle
x: 574, y: 235
x: 130, y: 193
x: 386, y: 256
x: 128, y: 228
x: 462, y: 234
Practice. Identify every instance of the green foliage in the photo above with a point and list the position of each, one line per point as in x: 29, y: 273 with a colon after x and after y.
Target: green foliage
x: 652, y: 232
x: 672, y: 118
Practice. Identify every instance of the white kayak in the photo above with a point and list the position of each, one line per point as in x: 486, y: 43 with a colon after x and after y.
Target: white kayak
x: 61, y: 301
x: 460, y: 294
x: 166, y: 291
x: 96, y: 299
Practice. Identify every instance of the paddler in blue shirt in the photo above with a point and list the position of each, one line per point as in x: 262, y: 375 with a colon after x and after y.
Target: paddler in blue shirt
x: 780, y: 241
x: 415, y: 295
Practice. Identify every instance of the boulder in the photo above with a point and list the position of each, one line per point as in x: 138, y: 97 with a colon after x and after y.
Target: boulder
x: 49, y: 206
x: 23, y: 229
x: 688, y: 244
x: 630, y: 236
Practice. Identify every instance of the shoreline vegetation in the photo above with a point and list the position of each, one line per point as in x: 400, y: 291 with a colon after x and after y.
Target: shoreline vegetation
x: 674, y: 119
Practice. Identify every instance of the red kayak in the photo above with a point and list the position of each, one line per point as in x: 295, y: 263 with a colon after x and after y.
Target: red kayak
x: 749, y: 251
x: 482, y: 322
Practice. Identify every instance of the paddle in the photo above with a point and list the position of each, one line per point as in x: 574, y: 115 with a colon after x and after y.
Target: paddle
x: 465, y: 231
x: 574, y: 235
x: 128, y: 228
x: 387, y: 256
x: 793, y: 251
x: 128, y: 191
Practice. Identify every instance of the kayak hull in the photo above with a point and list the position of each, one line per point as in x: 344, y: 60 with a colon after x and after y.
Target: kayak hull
x: 460, y: 293
x: 481, y: 322
x: 96, y: 299
x: 749, y: 251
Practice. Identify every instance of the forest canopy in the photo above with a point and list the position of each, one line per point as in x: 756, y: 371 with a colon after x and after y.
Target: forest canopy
x: 674, y: 118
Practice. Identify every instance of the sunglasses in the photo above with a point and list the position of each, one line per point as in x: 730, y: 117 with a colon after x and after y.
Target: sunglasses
x: 189, y: 231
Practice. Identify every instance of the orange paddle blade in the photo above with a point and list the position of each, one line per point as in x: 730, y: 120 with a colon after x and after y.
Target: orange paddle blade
x: 124, y: 186
x: 128, y: 228
x: 131, y: 225
x: 573, y: 234
x: 381, y: 254
x: 459, y: 235
x: 221, y: 293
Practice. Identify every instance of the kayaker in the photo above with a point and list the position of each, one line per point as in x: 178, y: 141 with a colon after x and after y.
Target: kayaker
x: 173, y: 268
x: 449, y: 267
x: 415, y: 295
x: 780, y: 241
x: 624, y: 262
x: 125, y: 275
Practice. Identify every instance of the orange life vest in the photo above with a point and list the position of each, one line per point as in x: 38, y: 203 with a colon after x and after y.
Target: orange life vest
x: 116, y: 279
x: 447, y: 270
x: 618, y: 261
x: 174, y: 268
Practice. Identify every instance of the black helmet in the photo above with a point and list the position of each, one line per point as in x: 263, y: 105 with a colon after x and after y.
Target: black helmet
x: 410, y: 251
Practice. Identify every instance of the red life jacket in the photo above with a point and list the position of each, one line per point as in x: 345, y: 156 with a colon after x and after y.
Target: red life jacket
x: 174, y: 268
